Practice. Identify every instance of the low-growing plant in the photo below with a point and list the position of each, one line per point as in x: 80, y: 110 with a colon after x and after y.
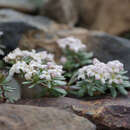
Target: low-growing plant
x: 100, y: 77
x: 75, y: 55
x: 5, y: 89
x: 37, y: 68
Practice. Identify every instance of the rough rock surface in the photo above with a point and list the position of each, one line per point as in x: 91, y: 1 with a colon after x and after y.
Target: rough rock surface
x: 20, y: 5
x: 107, y: 113
x: 63, y: 11
x: 22, y: 117
x: 110, y: 16
x: 15, y: 25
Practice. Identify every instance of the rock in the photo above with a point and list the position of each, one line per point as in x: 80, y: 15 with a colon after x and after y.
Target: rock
x: 111, y: 16
x: 22, y: 117
x: 43, y: 23
x: 107, y: 47
x: 61, y: 11
x: 107, y: 16
x: 63, y: 103
x: 106, y: 112
x: 20, y: 5
x: 14, y: 25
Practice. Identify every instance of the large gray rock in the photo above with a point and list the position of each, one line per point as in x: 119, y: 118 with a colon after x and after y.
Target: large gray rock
x: 22, y: 117
x: 20, y: 5
x: 15, y: 25
x: 8, y: 15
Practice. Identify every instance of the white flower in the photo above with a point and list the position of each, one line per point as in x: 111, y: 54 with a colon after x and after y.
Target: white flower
x: 28, y: 75
x: 103, y: 72
x: 45, y: 75
x: 96, y: 61
x: 40, y: 57
x: 1, y: 33
x: 115, y: 78
x: 41, y: 64
x: 43, y: 56
x: 63, y: 60
x: 17, y: 68
x: 115, y: 66
x: 71, y: 42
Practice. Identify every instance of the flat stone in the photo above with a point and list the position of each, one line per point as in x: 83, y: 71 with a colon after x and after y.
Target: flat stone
x: 23, y: 117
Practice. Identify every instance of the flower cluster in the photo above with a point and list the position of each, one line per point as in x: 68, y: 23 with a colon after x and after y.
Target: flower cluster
x: 19, y: 55
x: 72, y: 43
x: 47, y: 71
x: 100, y: 77
x: 36, y: 68
x: 74, y: 55
x: 109, y: 72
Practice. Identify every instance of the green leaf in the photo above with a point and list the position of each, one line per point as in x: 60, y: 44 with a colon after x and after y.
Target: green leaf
x: 90, y: 90
x: 126, y: 84
x: 59, y: 78
x: 85, y: 62
x: 100, y: 89
x: 123, y: 72
x: 32, y: 86
x: 73, y: 79
x: 122, y: 90
x: 88, y: 55
x: 1, y: 64
x: 60, y: 90
x: 49, y: 84
x: 26, y: 82
x: 125, y: 78
x: 60, y: 83
x: 81, y: 92
x: 113, y: 92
